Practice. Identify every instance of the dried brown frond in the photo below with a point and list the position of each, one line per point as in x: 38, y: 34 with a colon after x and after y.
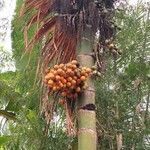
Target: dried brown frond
x: 60, y: 23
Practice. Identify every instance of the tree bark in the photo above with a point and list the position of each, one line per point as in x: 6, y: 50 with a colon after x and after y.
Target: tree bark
x: 87, y: 137
x: 119, y: 141
x: 118, y: 135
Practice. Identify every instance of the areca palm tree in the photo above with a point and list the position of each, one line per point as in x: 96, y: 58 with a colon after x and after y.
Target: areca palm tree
x: 73, y: 29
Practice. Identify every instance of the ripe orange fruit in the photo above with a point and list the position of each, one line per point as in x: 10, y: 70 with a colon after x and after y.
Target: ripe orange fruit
x: 49, y: 76
x: 78, y: 74
x: 59, y: 71
x: 74, y: 77
x: 73, y: 66
x: 68, y: 65
x: 88, y: 70
x: 72, y: 73
x: 73, y: 82
x: 50, y: 82
x: 84, y: 68
x: 64, y: 81
x: 83, y: 72
x: 72, y: 87
x: 52, y: 70
x: 57, y: 77
x: 82, y: 78
x: 64, y: 68
x: 78, y: 89
x: 64, y: 85
x: 86, y: 75
x: 61, y: 85
x: 56, y: 67
x: 74, y: 62
x: 63, y: 94
x: 69, y: 79
x: 55, y: 72
x: 68, y: 84
x: 61, y: 65
x: 54, y: 88
x: 78, y: 81
x: 68, y: 71
x: 58, y: 87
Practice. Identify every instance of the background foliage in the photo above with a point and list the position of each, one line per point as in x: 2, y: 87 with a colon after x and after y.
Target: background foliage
x: 122, y: 92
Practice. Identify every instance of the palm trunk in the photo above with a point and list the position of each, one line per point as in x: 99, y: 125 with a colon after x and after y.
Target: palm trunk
x: 119, y: 137
x: 119, y: 141
x: 87, y: 138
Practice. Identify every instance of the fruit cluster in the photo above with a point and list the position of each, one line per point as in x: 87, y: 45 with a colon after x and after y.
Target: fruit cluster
x: 67, y: 79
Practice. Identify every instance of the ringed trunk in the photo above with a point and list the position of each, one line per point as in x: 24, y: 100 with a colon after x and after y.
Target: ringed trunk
x: 87, y: 137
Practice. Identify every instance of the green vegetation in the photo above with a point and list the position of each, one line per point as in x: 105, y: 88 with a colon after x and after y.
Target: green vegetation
x: 122, y: 93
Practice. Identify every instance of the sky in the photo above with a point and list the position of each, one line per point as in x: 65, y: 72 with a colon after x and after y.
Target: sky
x: 7, y: 8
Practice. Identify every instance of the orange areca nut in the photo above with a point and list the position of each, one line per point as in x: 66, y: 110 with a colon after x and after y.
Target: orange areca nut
x: 72, y: 73
x: 86, y: 75
x: 69, y: 79
x: 61, y: 65
x: 55, y: 73
x: 56, y: 67
x: 83, y: 78
x: 68, y: 71
x: 84, y: 68
x: 54, y: 88
x: 83, y: 72
x: 74, y: 62
x: 63, y: 94
x: 49, y: 76
x: 58, y: 88
x: 61, y: 85
x: 64, y: 68
x: 57, y: 77
x: 78, y: 89
x: 78, y: 81
x: 72, y: 86
x: 50, y: 82
x: 68, y: 65
x: 73, y: 82
x: 52, y: 70
x: 64, y: 81
x: 88, y: 70
x: 60, y: 71
x: 73, y: 66
x: 75, y: 78
x: 68, y: 84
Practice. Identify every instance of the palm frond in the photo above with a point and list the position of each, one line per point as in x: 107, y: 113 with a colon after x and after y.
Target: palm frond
x: 60, y: 25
